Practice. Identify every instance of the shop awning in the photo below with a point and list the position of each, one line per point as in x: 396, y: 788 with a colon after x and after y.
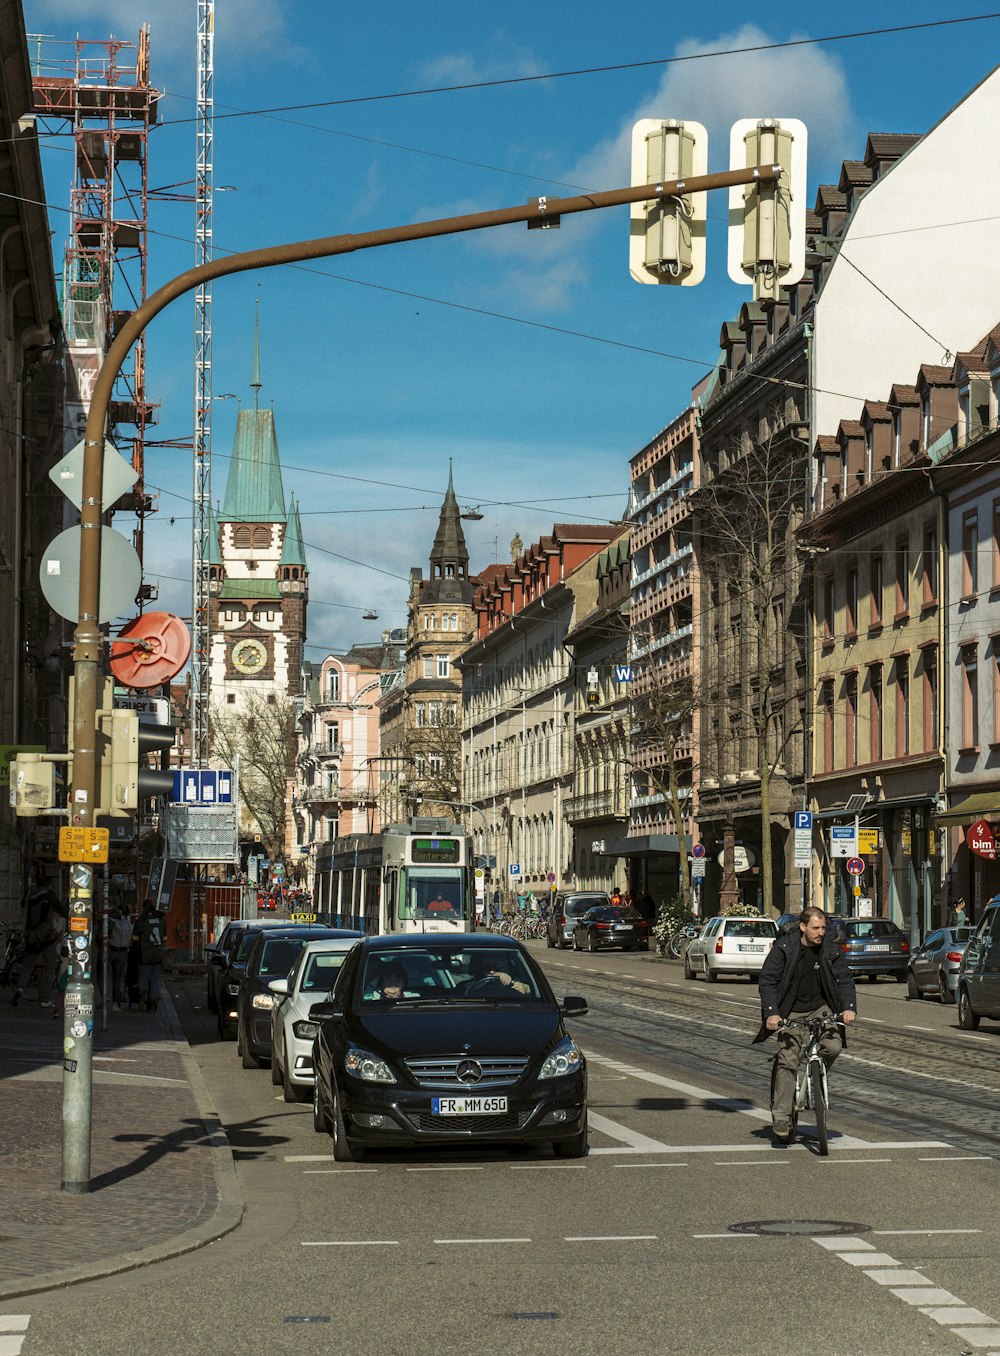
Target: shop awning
x: 645, y: 846
x: 981, y: 805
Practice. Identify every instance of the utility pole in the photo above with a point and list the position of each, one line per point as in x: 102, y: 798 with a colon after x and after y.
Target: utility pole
x: 87, y: 639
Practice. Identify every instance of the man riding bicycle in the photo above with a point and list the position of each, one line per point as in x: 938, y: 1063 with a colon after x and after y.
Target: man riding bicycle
x: 804, y: 975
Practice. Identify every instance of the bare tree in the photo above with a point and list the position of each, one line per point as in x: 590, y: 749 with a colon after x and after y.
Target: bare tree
x: 752, y: 685
x: 260, y: 733
x: 435, y: 751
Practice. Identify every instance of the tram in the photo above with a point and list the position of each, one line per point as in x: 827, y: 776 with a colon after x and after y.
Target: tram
x: 413, y: 877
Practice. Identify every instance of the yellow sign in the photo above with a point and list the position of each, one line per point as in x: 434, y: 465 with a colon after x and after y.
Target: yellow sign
x: 867, y: 841
x: 857, y: 889
x: 83, y: 845
x: 302, y: 917
x: 907, y: 841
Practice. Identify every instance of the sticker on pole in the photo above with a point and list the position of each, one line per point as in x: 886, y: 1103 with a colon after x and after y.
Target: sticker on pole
x: 855, y: 866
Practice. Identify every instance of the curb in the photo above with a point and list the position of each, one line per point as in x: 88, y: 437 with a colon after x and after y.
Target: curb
x: 228, y: 1213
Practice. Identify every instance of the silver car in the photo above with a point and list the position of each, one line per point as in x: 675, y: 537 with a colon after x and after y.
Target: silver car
x: 310, y: 980
x: 934, y: 966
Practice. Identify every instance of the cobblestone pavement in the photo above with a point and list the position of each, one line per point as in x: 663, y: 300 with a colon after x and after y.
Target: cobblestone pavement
x: 162, y: 1176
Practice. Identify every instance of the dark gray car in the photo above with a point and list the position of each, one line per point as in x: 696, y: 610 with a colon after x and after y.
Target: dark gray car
x: 567, y: 908
x: 979, y: 973
x: 934, y: 965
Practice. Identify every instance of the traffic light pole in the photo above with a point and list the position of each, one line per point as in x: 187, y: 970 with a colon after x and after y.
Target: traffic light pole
x: 79, y: 1008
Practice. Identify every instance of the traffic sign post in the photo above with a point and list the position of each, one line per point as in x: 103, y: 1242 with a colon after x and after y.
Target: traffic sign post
x: 856, y: 866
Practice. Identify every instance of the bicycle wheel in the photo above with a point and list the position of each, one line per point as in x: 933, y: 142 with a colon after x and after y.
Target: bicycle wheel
x: 818, y: 1086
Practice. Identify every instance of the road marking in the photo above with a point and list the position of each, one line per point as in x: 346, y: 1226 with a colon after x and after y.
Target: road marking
x: 918, y: 1028
x: 648, y: 1165
x: 920, y: 1073
x: 857, y: 1160
x: 325, y: 1172
x: 725, y: 1235
x: 897, y: 1276
x: 844, y: 1244
x: 702, y: 1094
x: 354, y: 1243
x: 14, y: 1322
x: 632, y: 1138
x: 612, y: 1238
x: 867, y: 1259
x: 887, y: 1233
x: 482, y: 1240
x: 15, y: 1328
x: 682, y: 1017
x: 756, y: 1163
x: 925, y: 1294
x: 958, y: 1158
x: 307, y: 1158
x: 547, y: 1167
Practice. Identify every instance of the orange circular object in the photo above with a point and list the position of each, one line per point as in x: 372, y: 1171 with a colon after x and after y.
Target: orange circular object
x: 150, y: 650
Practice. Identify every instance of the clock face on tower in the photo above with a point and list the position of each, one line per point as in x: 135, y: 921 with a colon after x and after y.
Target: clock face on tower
x: 249, y: 656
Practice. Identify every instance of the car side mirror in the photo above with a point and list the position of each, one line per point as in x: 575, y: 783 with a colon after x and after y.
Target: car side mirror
x: 216, y: 958
x: 573, y: 1007
x: 278, y: 986
x: 319, y: 1012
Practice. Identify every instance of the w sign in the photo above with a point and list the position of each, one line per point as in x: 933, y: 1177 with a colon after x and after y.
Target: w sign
x: 623, y: 673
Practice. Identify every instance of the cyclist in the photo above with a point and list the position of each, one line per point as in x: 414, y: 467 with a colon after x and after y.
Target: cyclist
x: 804, y: 974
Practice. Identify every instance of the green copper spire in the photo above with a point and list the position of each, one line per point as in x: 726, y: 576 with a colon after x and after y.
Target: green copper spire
x: 293, y: 550
x: 254, y: 492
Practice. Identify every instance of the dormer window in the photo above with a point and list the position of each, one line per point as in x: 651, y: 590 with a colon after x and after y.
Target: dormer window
x: 925, y: 415
x: 964, y: 412
x: 869, y: 452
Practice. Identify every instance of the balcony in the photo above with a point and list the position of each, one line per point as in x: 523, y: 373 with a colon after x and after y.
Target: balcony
x: 593, y: 805
x: 320, y: 749
x: 313, y: 795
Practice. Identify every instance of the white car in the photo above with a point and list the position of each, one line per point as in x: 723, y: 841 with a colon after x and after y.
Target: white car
x: 730, y: 946
x: 292, y: 1033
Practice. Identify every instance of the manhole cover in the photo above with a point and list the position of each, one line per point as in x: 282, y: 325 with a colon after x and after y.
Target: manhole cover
x: 811, y: 1227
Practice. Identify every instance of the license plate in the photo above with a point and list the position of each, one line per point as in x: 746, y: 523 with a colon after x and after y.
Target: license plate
x: 468, y: 1106
x: 624, y: 927
x: 745, y: 947
x: 877, y: 946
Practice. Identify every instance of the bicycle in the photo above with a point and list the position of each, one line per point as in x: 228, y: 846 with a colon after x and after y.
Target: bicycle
x: 811, y: 1088
x: 13, y: 953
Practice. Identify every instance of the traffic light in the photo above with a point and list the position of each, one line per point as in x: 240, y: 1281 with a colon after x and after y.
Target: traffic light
x: 33, y: 783
x: 667, y: 235
x: 123, y: 742
x: 767, y: 244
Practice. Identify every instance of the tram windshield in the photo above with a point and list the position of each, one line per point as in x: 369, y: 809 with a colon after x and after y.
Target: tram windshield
x: 433, y: 892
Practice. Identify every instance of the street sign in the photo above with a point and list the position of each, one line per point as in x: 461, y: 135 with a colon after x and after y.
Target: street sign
x: 803, y: 822
x: 698, y: 850
x: 842, y: 841
x: 201, y: 833
x: 83, y: 845
x: 980, y: 840
x: 195, y: 786
x: 856, y: 866
x: 59, y: 574
x: 515, y: 868
x: 118, y: 476
x: 867, y: 840
x: 743, y: 858
x: 550, y: 877
x: 804, y: 819
x: 698, y: 869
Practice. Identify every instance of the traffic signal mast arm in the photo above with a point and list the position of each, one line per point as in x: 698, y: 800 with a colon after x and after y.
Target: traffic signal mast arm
x: 87, y: 638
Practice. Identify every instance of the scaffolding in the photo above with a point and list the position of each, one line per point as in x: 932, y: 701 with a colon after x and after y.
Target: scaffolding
x: 102, y: 90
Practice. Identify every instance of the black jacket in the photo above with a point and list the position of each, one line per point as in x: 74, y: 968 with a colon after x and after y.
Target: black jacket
x: 777, y: 980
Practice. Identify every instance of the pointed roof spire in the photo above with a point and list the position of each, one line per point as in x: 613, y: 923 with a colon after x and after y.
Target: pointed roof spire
x: 449, y: 581
x: 254, y: 492
x: 292, y: 548
x: 255, y: 379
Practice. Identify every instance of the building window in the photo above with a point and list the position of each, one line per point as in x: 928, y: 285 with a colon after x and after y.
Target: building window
x: 242, y: 538
x: 421, y: 715
x: 428, y: 666
x: 332, y: 735
x: 231, y: 698
x: 970, y: 698
x: 876, y: 590
x: 261, y: 538
x: 435, y: 764
x: 852, y: 604
x: 970, y: 554
x: 902, y: 577
x: 897, y: 424
x: 851, y: 719
x: 443, y: 666
x: 875, y: 712
x: 428, y: 622
x: 826, y: 607
x: 929, y: 569
x: 434, y: 713
x: 902, y: 706
x: 930, y: 654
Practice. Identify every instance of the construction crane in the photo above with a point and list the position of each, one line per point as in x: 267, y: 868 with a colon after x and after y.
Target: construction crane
x: 203, y: 524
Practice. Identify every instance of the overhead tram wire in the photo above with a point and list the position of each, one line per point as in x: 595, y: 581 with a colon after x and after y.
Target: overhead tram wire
x: 617, y: 67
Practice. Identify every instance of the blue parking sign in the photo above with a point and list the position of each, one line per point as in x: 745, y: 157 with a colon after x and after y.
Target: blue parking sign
x: 803, y: 819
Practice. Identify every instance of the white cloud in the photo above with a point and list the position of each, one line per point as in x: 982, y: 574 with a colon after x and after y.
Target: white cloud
x: 503, y: 58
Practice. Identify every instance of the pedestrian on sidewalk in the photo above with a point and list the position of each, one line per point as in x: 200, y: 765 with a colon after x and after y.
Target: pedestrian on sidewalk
x: 150, y: 930
x: 119, y: 937
x: 44, y: 926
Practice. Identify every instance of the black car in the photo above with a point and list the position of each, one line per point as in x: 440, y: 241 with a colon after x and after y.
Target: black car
x: 444, y: 1040
x: 217, y: 956
x: 273, y: 953
x: 607, y: 926
x: 566, y: 909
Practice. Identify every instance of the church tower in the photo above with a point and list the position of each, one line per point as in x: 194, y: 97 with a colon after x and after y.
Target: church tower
x: 259, y: 580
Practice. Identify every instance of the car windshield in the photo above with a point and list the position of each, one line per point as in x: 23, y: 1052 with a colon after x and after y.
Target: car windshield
x: 279, y: 954
x: 962, y: 934
x: 751, y: 927
x: 320, y: 971
x: 574, y: 906
x: 246, y: 944
x: 869, y: 928
x: 610, y: 914
x: 446, y: 976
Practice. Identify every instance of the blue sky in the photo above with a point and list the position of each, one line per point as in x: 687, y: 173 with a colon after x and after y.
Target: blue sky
x: 529, y: 358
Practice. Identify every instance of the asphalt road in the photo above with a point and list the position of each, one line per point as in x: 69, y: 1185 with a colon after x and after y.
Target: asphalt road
x: 888, y: 1247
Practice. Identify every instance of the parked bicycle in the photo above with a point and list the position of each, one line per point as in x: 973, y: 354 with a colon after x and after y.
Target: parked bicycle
x: 811, y: 1089
x: 12, y: 941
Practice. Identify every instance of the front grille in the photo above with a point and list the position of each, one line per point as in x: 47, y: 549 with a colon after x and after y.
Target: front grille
x: 512, y: 1120
x: 498, y: 1070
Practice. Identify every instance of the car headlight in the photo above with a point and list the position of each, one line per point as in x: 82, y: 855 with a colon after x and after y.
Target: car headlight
x: 232, y: 989
x: 306, y: 1031
x: 263, y: 1000
x: 566, y: 1058
x: 369, y: 1068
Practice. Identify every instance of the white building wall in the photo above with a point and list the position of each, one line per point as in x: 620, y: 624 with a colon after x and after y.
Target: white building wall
x: 925, y: 233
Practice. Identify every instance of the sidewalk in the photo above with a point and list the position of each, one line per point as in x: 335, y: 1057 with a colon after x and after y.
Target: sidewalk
x: 162, y: 1175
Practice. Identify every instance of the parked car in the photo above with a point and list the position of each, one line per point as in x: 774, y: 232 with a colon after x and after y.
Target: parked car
x: 788, y: 922
x: 979, y: 973
x: 471, y: 1049
x: 730, y: 946
x: 605, y: 926
x: 226, y: 962
x: 872, y: 946
x: 311, y: 978
x: 566, y: 909
x: 934, y: 965
x: 274, y: 952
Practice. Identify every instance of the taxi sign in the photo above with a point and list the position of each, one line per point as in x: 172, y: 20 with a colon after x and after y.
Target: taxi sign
x: 303, y: 917
x: 83, y: 845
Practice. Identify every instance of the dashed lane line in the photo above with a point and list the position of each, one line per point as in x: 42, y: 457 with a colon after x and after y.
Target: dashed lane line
x: 447, y: 1241
x: 352, y: 1243
x: 13, y: 1330
x: 886, y: 1233
x: 611, y: 1238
